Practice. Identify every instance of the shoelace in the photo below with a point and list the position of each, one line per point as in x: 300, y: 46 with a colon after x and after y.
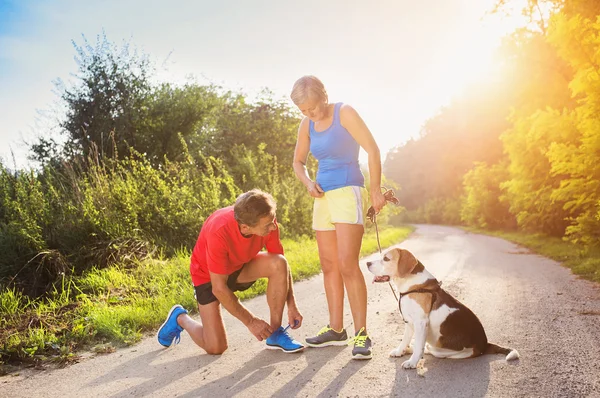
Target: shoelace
x: 288, y: 326
x: 177, y: 337
x: 286, y: 334
x: 359, y: 340
x: 284, y: 331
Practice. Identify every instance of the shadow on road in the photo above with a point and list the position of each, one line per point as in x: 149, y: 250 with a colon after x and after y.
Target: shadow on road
x: 250, y: 373
x: 269, y: 363
x: 158, y: 375
x: 334, y: 387
x: 445, y: 377
x: 316, y: 359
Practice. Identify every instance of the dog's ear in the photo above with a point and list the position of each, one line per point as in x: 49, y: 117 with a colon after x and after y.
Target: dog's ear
x: 406, y: 262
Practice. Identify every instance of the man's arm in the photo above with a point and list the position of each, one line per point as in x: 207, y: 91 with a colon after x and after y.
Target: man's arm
x: 273, y: 245
x: 259, y: 328
x: 294, y: 315
x: 291, y: 300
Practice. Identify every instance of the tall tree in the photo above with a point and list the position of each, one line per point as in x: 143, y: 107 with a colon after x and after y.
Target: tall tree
x: 107, y: 99
x: 577, y: 39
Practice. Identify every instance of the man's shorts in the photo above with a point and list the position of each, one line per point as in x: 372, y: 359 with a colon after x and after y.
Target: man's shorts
x: 343, y: 205
x: 204, y: 294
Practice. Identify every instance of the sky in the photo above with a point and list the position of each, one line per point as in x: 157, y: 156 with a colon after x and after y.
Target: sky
x: 395, y: 61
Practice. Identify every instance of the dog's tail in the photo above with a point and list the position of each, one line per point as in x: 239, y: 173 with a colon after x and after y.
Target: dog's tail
x: 496, y: 349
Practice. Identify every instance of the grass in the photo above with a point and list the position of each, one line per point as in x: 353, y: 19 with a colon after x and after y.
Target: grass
x: 303, y: 256
x: 116, y: 306
x: 582, y: 261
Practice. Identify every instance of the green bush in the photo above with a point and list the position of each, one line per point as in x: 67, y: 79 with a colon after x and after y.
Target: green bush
x: 484, y: 205
x: 69, y: 218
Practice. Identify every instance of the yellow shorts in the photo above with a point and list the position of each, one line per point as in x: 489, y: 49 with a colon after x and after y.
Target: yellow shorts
x: 343, y: 205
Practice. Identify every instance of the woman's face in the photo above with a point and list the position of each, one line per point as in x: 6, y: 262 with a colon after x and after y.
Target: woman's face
x: 314, y: 109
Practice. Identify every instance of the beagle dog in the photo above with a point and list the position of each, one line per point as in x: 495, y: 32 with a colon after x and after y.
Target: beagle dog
x: 432, y: 315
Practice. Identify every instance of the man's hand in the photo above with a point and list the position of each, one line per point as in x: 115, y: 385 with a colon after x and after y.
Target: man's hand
x: 259, y: 328
x: 295, y: 317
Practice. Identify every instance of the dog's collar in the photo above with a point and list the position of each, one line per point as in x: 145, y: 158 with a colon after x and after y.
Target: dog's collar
x: 438, y: 286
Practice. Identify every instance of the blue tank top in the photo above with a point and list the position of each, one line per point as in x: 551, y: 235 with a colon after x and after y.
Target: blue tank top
x: 337, y: 153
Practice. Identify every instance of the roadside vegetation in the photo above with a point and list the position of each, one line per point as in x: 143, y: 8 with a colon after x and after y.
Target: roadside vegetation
x: 107, y: 308
x: 95, y: 240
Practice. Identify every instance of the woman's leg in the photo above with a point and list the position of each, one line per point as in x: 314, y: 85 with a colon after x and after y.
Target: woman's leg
x: 349, y: 240
x: 332, y: 279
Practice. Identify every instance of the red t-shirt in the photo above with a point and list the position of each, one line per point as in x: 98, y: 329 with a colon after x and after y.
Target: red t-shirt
x: 222, y: 249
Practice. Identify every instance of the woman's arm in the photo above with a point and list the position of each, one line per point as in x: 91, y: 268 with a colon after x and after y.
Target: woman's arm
x: 300, y: 157
x: 357, y: 128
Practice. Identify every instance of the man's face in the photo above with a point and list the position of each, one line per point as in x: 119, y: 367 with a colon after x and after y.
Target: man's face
x: 265, y: 226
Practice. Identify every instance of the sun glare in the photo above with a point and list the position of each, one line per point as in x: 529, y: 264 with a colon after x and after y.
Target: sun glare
x: 473, y: 59
x: 462, y: 57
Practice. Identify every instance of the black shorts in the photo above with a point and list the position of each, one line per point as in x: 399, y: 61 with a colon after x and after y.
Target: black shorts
x: 204, y: 294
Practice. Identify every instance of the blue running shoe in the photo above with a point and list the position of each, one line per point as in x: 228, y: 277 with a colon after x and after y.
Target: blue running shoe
x: 170, y: 331
x: 281, y: 340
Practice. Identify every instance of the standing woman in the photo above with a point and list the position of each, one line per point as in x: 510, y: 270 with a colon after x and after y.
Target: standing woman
x: 334, y: 133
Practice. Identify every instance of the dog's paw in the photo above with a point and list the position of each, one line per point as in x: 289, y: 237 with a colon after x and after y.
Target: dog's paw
x: 410, y: 364
x: 397, y: 352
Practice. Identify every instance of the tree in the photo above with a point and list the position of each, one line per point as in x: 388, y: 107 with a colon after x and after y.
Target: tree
x: 465, y: 132
x: 108, y: 99
x: 484, y: 204
x: 577, y: 158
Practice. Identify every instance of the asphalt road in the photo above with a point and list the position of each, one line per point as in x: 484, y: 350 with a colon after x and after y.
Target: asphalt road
x: 524, y: 301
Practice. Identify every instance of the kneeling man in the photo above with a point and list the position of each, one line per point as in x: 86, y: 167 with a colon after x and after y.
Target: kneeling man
x: 228, y: 258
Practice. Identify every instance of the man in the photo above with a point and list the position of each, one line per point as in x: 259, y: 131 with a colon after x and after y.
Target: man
x: 228, y: 258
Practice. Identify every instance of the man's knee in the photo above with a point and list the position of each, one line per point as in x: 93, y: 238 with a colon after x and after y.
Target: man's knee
x: 279, y: 265
x: 217, y: 349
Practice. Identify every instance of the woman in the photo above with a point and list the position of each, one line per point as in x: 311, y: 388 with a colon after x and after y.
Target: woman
x: 333, y: 134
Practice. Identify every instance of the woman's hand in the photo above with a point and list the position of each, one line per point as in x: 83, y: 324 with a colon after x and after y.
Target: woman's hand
x: 377, y: 200
x: 315, y: 190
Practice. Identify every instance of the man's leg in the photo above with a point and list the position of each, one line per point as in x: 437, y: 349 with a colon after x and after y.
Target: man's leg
x: 275, y: 268
x: 210, y: 334
x: 332, y: 279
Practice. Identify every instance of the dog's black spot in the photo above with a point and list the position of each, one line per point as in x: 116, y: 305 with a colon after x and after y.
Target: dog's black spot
x: 462, y: 329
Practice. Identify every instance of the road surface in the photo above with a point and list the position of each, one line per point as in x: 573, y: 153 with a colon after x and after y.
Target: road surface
x: 524, y: 301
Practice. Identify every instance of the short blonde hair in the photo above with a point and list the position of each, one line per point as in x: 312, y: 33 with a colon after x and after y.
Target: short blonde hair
x: 253, y: 205
x: 308, y: 87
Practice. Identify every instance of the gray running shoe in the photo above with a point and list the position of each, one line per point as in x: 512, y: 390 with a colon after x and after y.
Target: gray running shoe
x: 326, y: 337
x: 362, y: 345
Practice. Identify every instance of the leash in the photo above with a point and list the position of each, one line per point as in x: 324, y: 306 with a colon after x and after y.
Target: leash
x: 372, y: 216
